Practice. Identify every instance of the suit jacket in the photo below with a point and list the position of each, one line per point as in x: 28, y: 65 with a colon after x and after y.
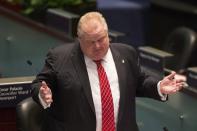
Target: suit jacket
x: 72, y: 108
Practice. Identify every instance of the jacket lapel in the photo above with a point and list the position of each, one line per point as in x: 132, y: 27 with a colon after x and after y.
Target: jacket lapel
x: 120, y: 62
x: 80, y: 67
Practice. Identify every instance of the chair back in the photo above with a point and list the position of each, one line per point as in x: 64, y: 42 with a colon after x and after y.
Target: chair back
x: 181, y: 42
x: 29, y: 115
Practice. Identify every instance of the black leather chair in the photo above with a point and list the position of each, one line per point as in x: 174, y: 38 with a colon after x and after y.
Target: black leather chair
x: 29, y: 115
x: 181, y: 42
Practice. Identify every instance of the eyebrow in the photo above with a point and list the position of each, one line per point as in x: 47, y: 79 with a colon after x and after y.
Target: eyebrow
x: 100, y: 36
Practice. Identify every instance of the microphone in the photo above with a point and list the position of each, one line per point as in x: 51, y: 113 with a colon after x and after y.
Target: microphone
x: 29, y: 62
x: 1, y: 73
x: 165, y: 128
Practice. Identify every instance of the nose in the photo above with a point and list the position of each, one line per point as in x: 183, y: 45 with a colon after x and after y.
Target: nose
x: 97, y: 44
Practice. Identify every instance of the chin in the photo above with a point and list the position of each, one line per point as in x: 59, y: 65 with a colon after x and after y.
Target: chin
x: 97, y: 58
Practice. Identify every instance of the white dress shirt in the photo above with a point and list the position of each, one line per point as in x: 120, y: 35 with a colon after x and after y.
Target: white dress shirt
x: 110, y: 69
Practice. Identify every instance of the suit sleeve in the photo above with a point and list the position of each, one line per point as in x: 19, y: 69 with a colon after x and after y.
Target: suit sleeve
x: 47, y: 74
x: 146, y: 85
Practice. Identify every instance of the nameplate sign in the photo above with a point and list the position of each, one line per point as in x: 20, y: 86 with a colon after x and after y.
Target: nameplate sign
x: 14, y: 90
x: 192, y: 77
x: 153, y: 58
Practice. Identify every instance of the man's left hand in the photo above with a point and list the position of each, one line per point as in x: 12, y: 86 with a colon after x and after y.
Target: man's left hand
x: 171, y: 84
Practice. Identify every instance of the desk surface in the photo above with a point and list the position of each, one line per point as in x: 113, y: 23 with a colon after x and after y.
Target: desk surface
x: 177, y: 114
x: 16, y: 80
x: 22, y: 48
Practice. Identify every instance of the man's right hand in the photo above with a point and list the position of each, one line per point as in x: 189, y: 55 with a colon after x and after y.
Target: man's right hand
x: 45, y: 93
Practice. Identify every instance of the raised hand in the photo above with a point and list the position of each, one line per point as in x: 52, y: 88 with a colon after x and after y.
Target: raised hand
x: 170, y: 84
x: 45, y: 93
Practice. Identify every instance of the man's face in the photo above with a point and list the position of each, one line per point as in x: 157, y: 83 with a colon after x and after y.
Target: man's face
x: 95, y: 44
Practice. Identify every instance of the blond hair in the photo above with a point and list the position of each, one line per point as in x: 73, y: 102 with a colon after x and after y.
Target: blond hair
x: 88, y: 17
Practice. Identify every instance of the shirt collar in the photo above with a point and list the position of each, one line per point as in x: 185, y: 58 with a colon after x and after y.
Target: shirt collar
x: 106, y: 58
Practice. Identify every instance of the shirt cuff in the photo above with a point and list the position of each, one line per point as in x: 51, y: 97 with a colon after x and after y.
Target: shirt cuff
x: 44, y: 104
x: 163, y: 96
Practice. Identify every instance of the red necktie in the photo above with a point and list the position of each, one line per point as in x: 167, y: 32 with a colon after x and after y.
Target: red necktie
x: 108, y: 122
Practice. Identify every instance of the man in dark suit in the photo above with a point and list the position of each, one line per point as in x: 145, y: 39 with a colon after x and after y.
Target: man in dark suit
x: 69, y: 86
